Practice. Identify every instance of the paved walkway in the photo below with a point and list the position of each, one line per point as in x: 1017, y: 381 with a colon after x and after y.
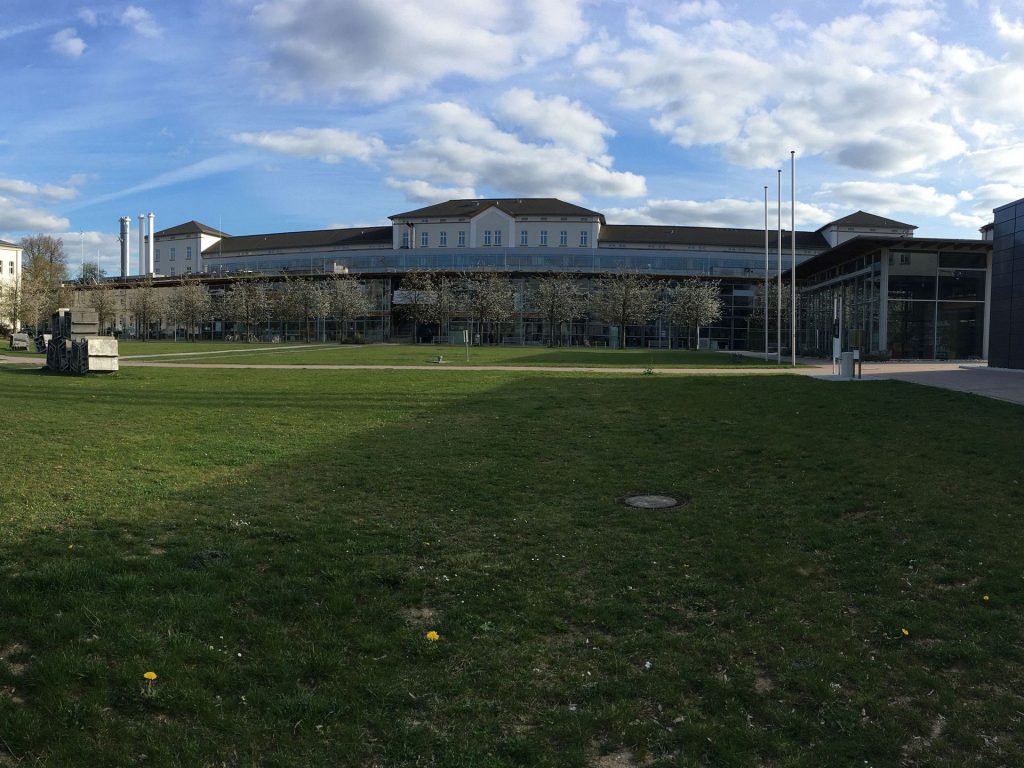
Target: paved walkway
x: 998, y: 383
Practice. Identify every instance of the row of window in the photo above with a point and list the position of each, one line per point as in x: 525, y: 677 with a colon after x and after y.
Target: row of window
x: 188, y: 254
x: 491, y: 238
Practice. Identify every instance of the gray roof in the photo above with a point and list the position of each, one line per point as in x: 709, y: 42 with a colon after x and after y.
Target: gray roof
x: 9, y: 245
x: 709, y: 236
x: 864, y: 219
x: 317, y: 238
x: 513, y: 206
x: 191, y: 228
x: 864, y: 244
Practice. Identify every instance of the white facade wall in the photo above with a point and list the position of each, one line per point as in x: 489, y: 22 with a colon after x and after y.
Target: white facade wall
x: 494, y: 220
x: 181, y: 254
x: 10, y: 274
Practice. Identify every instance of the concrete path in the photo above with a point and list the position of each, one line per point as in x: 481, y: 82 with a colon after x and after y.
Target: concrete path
x: 978, y: 379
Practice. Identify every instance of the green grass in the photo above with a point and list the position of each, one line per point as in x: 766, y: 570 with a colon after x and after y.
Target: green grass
x: 276, y: 544
x: 422, y: 354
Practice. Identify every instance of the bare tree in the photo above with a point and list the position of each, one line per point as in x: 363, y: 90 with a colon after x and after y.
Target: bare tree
x: 248, y: 303
x: 448, y: 293
x: 418, y: 298
x: 101, y: 298
x: 147, y: 306
x: 44, y: 270
x: 696, y: 302
x: 625, y: 298
x: 11, y: 300
x: 189, y: 306
x: 490, y: 300
x: 300, y: 300
x: 91, y: 273
x: 559, y: 299
x: 346, y: 300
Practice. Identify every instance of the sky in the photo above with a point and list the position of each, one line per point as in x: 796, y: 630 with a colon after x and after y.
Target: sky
x: 286, y: 115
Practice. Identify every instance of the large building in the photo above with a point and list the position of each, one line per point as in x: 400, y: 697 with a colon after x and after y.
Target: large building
x: 10, y: 278
x: 865, y: 277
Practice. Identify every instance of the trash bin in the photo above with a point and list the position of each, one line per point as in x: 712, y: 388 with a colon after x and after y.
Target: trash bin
x: 846, y: 365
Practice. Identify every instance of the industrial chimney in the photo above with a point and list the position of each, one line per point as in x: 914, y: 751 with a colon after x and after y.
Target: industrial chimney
x: 142, y: 244
x: 126, y: 231
x: 150, y: 269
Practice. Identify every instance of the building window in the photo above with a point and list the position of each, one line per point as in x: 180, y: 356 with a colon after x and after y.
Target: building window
x: 405, y: 238
x: 487, y: 237
x: 424, y: 239
x: 172, y: 271
x: 524, y: 237
x: 543, y: 237
x: 158, y: 254
x: 443, y: 239
x: 12, y: 268
x: 188, y: 270
x: 583, y: 238
x: 497, y: 237
x: 172, y: 254
x: 563, y: 237
x: 188, y: 253
x: 462, y: 238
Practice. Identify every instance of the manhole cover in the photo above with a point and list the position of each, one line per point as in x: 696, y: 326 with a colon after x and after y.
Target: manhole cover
x: 652, y: 501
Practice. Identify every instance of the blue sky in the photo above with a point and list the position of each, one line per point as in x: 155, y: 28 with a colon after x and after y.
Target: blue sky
x: 303, y: 114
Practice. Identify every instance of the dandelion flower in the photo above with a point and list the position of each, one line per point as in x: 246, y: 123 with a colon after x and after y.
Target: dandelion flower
x: 150, y: 676
x: 906, y: 632
x: 985, y: 598
x: 432, y: 636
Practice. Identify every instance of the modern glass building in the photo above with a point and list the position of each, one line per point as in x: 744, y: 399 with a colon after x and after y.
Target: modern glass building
x: 902, y: 298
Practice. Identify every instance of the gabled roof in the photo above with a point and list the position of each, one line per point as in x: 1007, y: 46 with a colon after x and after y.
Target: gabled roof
x: 869, y: 220
x: 709, y: 236
x: 191, y: 228
x: 317, y: 238
x: 513, y: 206
x: 5, y: 244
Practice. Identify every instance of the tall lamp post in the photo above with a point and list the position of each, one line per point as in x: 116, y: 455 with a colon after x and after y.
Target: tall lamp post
x: 792, y: 250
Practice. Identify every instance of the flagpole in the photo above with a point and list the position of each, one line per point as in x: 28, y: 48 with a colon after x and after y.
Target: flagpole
x: 764, y: 301
x: 778, y: 276
x: 792, y: 251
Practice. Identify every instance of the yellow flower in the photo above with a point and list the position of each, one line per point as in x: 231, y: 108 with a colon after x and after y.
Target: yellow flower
x: 985, y: 598
x: 906, y: 632
x: 432, y: 636
x: 150, y: 676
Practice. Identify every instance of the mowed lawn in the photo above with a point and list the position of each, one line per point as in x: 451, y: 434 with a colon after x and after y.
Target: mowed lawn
x: 423, y: 354
x: 843, y: 589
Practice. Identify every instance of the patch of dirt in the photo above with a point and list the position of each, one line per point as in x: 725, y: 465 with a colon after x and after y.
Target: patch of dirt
x: 621, y: 759
x: 763, y: 683
x: 10, y: 693
x: 921, y: 743
x: 418, y: 616
x: 14, y: 649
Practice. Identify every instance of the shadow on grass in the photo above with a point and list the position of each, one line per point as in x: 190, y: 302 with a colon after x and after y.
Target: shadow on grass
x: 276, y: 546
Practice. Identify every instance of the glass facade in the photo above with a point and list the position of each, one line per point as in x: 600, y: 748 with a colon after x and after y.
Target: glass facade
x: 899, y: 303
x: 1006, y: 344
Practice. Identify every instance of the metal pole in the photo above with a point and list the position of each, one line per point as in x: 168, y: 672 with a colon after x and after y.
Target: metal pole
x: 764, y: 298
x: 792, y: 251
x: 778, y: 278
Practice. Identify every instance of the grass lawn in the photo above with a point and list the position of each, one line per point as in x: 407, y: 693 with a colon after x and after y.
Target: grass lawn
x: 275, y: 545
x: 421, y: 354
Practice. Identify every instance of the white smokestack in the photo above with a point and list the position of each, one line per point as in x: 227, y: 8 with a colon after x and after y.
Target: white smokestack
x: 149, y: 256
x: 126, y: 234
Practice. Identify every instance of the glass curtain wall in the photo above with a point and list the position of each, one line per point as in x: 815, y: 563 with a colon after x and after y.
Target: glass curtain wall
x: 845, y: 300
x: 936, y: 305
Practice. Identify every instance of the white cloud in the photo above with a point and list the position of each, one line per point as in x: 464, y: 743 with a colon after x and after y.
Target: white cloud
x: 47, y: 191
x: 140, y: 20
x: 425, y: 192
x: 982, y: 201
x: 728, y: 212
x: 380, y: 50
x: 459, y: 148
x: 563, y: 122
x: 16, y: 217
x: 886, y: 199
x: 88, y: 16
x: 328, y: 145
x: 66, y: 42
x: 1002, y: 164
x: 875, y: 90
